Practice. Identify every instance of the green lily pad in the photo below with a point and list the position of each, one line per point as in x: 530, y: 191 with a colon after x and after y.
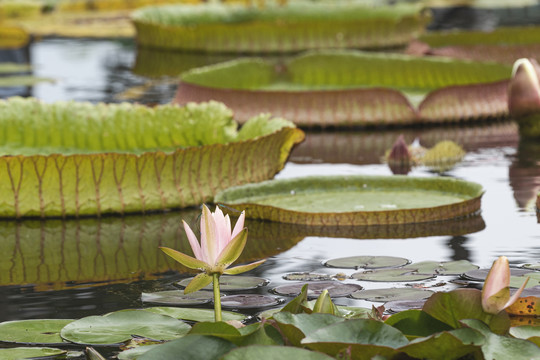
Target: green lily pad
x: 177, y: 297
x: 393, y: 294
x: 193, y: 347
x: 233, y: 283
x: 527, y: 332
x: 34, y: 331
x: 335, y: 289
x: 249, y: 301
x: 481, y: 274
x: 135, y: 353
x: 307, y: 276
x: 391, y: 275
x: 294, y: 26
x: 442, y: 268
x: 123, y: 158
x: 326, y: 88
x: 355, y: 200
x: 274, y: 352
x: 196, y: 315
x: 119, y: 326
x: 535, y: 266
x: 366, y: 262
x: 30, y: 353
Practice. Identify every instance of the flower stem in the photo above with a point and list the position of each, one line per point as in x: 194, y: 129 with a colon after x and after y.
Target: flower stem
x: 217, y: 298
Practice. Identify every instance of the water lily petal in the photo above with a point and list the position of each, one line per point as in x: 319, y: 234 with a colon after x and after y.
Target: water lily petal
x: 232, y: 251
x: 239, y: 225
x: 198, y: 283
x: 193, y: 242
x: 223, y: 232
x: 184, y: 259
x: 243, y: 268
x: 497, y: 279
x: 516, y: 295
x: 208, y: 236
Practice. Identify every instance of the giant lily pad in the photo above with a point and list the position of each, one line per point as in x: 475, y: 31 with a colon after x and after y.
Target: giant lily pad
x: 35, y: 331
x: 120, y: 326
x: 83, y: 159
x: 345, y: 88
x: 292, y: 27
x: 355, y: 200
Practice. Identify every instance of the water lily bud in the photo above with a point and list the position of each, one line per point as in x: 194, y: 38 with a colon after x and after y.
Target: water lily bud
x: 524, y: 97
x: 399, y: 158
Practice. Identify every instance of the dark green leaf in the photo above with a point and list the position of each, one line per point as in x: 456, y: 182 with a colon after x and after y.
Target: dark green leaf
x: 416, y: 323
x: 192, y: 347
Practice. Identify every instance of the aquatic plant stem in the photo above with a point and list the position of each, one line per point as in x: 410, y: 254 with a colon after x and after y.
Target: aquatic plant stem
x: 217, y: 298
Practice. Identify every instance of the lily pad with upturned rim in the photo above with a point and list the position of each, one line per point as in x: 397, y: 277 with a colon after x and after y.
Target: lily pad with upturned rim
x: 249, y: 301
x: 233, y: 283
x: 335, y: 289
x: 177, y: 297
x: 366, y: 262
x: 355, y: 200
x: 391, y: 275
x: 392, y: 294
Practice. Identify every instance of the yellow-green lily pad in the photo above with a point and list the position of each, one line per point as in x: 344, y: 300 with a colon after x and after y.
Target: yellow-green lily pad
x: 197, y: 315
x: 232, y: 283
x: 33, y: 331
x: 392, y: 294
x: 355, y: 200
x: 31, y: 353
x: 177, y: 297
x: 366, y: 262
x: 457, y: 267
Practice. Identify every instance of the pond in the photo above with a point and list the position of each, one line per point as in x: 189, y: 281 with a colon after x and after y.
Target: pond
x: 55, y: 269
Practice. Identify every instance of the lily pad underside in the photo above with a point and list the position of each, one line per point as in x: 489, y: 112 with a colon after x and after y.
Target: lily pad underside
x: 293, y: 27
x: 355, y: 200
x: 74, y: 159
x: 348, y: 88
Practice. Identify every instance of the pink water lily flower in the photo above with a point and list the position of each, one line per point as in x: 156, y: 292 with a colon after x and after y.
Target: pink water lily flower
x: 218, y: 249
x: 496, y: 291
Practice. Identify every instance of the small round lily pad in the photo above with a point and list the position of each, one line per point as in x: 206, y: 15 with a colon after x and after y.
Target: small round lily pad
x: 307, y: 276
x: 366, y: 262
x: 249, y: 301
x: 232, y: 283
x: 392, y: 294
x: 335, y: 289
x: 402, y: 305
x: 442, y: 268
x: 391, y: 275
x: 177, y: 297
x: 535, y: 266
x: 33, y: 331
x: 481, y: 274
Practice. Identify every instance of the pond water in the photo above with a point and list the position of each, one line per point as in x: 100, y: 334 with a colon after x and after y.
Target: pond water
x: 78, y: 268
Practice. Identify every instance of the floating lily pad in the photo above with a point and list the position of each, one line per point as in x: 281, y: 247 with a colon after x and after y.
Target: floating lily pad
x: 292, y: 27
x: 366, y: 262
x: 335, y: 289
x: 355, y: 200
x: 327, y: 88
x: 481, y: 274
x: 119, y: 326
x: 196, y: 315
x: 34, y: 331
x: 249, y: 301
x: 393, y: 294
x: 307, y: 276
x: 391, y: 275
x: 177, y: 297
x: 442, y: 268
x: 535, y: 266
x: 123, y: 158
x: 402, y: 305
x: 233, y: 283
x: 274, y: 352
x: 30, y: 353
